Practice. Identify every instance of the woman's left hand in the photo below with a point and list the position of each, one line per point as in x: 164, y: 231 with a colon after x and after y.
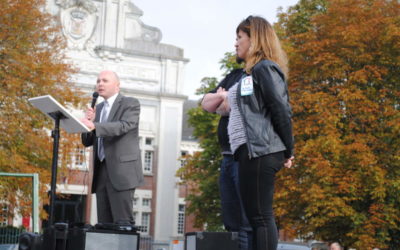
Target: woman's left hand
x: 288, y: 162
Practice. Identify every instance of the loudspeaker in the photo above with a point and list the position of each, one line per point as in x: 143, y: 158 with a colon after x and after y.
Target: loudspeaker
x: 211, y: 241
x: 76, y: 237
x: 55, y: 237
x: 30, y: 241
x: 111, y: 240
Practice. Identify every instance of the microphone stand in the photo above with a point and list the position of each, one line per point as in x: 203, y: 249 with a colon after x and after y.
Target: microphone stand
x: 57, y: 116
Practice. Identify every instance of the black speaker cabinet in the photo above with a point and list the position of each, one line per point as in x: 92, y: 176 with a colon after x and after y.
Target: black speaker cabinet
x: 55, y: 237
x: 76, y: 238
x: 211, y: 241
x: 111, y: 240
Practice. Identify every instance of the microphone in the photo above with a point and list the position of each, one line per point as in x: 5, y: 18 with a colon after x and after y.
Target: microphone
x: 94, y: 99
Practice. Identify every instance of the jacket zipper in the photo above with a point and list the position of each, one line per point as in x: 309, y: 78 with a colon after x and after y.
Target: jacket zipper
x: 241, y: 113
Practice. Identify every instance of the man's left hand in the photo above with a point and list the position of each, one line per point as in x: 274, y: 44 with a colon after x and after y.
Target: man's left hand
x: 88, y: 123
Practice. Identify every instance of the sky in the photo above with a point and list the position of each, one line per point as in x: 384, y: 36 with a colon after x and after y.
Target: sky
x: 205, y: 29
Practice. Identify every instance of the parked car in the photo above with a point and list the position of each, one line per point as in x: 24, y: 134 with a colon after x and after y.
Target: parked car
x: 319, y: 245
x: 293, y: 246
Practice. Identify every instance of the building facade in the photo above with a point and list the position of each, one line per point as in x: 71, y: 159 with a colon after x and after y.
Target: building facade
x: 108, y: 34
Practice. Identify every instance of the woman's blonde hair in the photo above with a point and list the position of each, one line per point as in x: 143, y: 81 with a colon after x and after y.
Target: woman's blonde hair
x: 265, y: 43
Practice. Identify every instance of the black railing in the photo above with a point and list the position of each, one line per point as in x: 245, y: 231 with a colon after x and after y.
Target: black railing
x: 10, y: 234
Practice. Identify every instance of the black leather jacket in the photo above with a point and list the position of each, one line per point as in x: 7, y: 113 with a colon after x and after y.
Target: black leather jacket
x: 266, y: 112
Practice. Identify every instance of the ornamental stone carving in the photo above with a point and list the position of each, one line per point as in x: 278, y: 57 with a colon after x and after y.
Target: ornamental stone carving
x: 78, y: 19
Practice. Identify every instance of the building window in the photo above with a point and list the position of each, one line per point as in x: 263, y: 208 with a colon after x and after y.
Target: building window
x: 147, y: 153
x: 3, y: 215
x: 135, y: 201
x: 135, y: 216
x: 148, y: 161
x: 146, y: 202
x: 183, y: 157
x: 145, y: 228
x: 181, y: 219
x: 79, y: 156
x: 149, y: 141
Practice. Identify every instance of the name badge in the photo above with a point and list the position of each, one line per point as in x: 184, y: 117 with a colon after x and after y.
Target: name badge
x: 246, y: 87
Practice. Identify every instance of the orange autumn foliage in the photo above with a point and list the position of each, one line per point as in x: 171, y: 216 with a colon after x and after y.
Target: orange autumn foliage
x: 32, y: 64
x: 345, y: 92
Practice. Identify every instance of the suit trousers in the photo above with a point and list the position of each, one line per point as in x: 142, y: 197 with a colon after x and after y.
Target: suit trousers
x: 113, y: 206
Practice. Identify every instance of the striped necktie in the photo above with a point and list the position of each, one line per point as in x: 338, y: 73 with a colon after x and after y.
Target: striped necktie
x: 103, y: 118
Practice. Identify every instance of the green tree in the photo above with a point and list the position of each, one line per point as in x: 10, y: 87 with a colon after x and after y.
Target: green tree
x: 344, y: 84
x: 32, y: 64
x: 201, y: 170
x: 229, y: 62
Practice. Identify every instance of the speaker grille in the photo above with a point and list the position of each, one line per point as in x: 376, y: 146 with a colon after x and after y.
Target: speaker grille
x: 111, y: 241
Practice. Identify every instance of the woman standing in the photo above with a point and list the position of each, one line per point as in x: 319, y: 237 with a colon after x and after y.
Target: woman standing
x: 260, y: 128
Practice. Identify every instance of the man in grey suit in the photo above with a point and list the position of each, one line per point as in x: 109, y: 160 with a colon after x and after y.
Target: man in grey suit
x: 114, y: 125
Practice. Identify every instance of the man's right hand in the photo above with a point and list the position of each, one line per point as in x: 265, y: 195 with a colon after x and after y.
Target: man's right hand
x: 90, y: 114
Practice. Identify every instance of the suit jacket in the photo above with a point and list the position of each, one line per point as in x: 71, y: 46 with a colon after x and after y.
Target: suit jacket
x: 121, y: 144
